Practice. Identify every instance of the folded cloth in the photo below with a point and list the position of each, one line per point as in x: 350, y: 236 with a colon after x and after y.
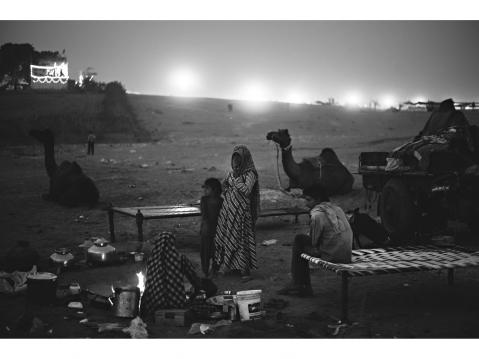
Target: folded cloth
x: 137, y: 329
x: 14, y: 282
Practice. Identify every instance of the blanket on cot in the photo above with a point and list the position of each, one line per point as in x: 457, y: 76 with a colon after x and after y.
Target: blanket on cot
x: 400, y: 259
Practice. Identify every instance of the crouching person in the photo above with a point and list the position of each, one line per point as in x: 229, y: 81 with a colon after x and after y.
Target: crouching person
x: 330, y: 238
x: 166, y: 269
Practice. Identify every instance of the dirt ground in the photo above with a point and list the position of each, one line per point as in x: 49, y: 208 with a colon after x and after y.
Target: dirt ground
x: 194, y: 146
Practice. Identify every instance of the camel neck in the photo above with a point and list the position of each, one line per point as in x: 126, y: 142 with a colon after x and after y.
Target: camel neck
x: 50, y: 163
x: 290, y: 166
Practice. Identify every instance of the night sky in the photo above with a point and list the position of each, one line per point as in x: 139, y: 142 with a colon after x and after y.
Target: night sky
x: 277, y: 60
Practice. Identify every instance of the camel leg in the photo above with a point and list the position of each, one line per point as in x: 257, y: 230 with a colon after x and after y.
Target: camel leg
x: 139, y: 223
x: 111, y: 223
x: 344, y: 297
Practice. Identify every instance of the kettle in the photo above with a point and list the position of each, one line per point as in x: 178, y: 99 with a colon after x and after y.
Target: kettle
x: 62, y: 257
x: 101, y: 252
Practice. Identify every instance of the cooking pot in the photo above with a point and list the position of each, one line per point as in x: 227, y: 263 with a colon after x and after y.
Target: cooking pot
x: 101, y: 252
x: 62, y: 257
x: 126, y: 302
x: 41, y: 288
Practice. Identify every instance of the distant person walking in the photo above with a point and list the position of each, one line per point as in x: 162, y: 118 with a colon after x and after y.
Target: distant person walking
x: 235, y: 244
x: 91, y: 143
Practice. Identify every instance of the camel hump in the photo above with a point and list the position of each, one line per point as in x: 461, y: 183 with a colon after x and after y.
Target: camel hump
x: 76, y: 167
x: 330, y: 173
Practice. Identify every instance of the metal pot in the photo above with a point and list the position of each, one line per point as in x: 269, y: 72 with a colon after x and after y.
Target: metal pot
x: 62, y: 257
x: 101, y: 252
x: 41, y: 288
x: 126, y: 302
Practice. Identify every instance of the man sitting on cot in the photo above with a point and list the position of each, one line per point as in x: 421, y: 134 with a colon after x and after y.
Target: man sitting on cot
x: 330, y: 238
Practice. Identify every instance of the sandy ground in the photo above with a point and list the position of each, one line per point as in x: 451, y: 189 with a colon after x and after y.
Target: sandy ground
x: 193, y: 146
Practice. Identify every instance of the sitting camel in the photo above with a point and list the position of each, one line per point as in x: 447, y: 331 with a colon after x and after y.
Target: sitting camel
x: 69, y: 186
x: 325, y: 170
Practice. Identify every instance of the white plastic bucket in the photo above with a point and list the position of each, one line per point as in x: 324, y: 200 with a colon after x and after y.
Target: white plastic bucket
x: 250, y: 305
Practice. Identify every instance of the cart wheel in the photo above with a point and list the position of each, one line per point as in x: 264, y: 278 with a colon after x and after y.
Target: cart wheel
x: 397, y: 210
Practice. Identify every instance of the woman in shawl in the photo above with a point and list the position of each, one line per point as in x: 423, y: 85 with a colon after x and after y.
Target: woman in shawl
x: 166, y: 269
x: 235, y: 245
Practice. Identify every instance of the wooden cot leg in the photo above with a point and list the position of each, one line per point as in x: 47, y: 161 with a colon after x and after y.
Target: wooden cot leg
x: 344, y: 297
x: 111, y: 223
x: 296, y: 219
x: 450, y: 276
x: 139, y: 224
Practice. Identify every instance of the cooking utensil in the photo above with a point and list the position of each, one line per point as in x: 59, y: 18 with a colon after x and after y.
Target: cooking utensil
x: 101, y: 252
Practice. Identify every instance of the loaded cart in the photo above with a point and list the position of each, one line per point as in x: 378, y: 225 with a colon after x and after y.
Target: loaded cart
x: 413, y: 202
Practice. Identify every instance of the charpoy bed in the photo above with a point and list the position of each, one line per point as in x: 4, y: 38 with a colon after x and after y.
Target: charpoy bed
x: 391, y: 260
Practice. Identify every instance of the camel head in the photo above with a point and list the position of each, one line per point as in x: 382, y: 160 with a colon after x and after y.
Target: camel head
x: 281, y: 137
x: 44, y: 136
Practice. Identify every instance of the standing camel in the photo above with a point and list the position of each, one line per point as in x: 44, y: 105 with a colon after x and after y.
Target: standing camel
x: 69, y: 186
x: 326, y: 170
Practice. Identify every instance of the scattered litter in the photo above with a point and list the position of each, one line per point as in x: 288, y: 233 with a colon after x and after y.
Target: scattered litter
x: 337, y: 327
x: 211, y: 169
x: 169, y: 163
x: 37, y: 325
x: 81, y: 217
x: 289, y: 325
x: 81, y: 313
x: 132, y: 151
x: 103, y: 327
x: 137, y: 329
x: 111, y: 160
x: 187, y: 170
x: 132, y: 185
x: 406, y: 285
x: 269, y: 242
x: 83, y: 321
x: 140, y: 157
x: 145, y: 165
x: 205, y: 328
x: 197, y: 328
x: 140, y: 198
x: 75, y: 305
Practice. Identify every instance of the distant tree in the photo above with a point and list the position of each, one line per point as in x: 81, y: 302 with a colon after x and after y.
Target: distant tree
x: 15, y: 60
x: 115, y: 90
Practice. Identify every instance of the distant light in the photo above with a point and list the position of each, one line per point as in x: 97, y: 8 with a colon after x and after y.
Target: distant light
x: 50, y: 74
x: 419, y: 99
x: 296, y: 97
x: 255, y: 92
x: 387, y: 101
x: 353, y: 99
x: 183, y: 81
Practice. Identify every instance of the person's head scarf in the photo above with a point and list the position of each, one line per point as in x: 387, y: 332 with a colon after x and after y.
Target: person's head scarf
x: 247, y: 165
x: 164, y: 283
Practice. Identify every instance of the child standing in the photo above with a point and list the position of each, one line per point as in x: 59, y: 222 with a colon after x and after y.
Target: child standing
x: 210, y: 209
